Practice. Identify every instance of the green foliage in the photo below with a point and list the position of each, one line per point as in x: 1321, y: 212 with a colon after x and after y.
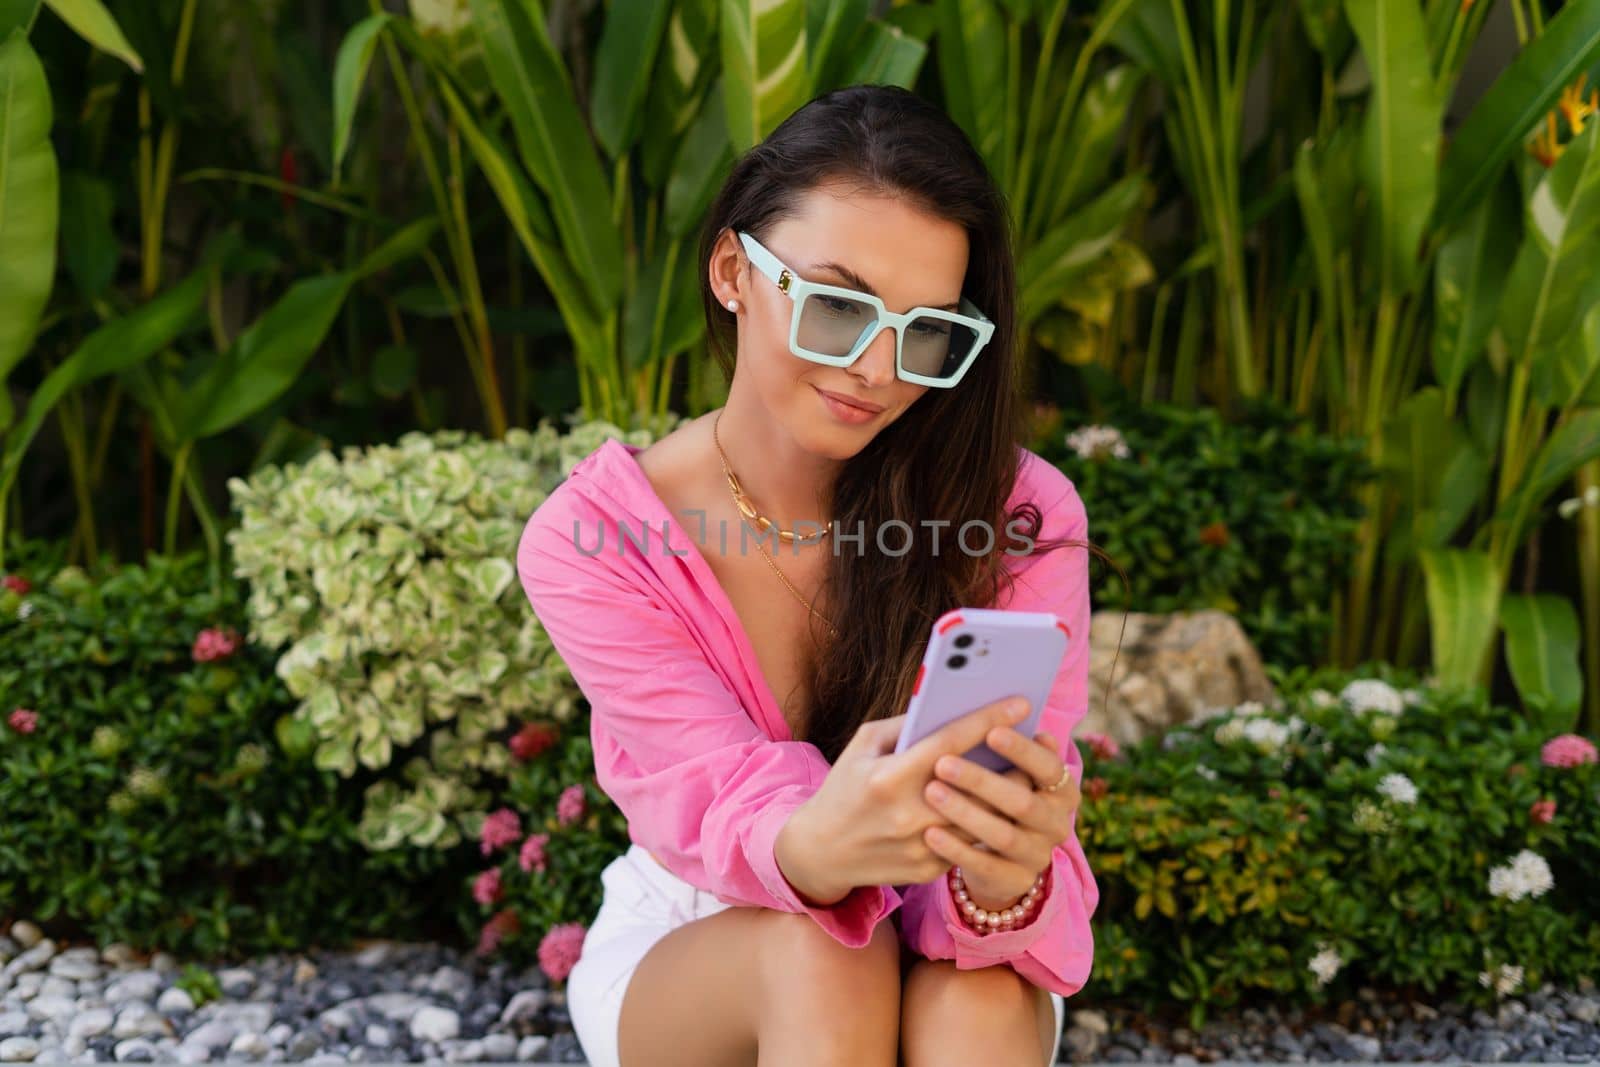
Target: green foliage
x: 199, y: 983
x: 150, y: 804
x: 1234, y: 851
x: 387, y: 579
x: 1252, y: 517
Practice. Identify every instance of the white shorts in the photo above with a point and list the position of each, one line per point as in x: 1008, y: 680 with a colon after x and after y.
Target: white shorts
x: 641, y: 903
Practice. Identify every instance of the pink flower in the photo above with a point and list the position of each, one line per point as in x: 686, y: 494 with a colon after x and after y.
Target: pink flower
x: 1096, y: 788
x: 501, y: 924
x: 214, y: 643
x: 17, y: 584
x: 486, y: 888
x: 499, y: 828
x: 1542, y: 811
x: 560, y: 949
x: 23, y: 720
x: 532, y: 854
x: 1567, y: 750
x: 569, y: 808
x: 1104, y: 745
x: 531, y: 740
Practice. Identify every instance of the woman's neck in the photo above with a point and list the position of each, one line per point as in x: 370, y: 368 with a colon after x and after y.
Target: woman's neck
x: 785, y: 483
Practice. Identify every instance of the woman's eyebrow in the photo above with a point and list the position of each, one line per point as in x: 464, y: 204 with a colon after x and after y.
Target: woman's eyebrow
x: 856, y: 281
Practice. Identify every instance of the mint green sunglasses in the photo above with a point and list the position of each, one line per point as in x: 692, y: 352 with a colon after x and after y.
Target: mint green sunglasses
x: 833, y: 325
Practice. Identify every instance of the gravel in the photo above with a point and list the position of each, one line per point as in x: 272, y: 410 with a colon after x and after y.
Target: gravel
x: 403, y: 1002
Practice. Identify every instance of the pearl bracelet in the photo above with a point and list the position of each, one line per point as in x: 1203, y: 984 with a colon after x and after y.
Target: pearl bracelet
x: 988, y: 922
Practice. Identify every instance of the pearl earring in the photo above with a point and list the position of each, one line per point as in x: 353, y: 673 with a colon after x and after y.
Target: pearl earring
x: 733, y: 305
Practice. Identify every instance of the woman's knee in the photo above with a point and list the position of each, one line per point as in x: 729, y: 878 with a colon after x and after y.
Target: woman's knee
x: 802, y: 957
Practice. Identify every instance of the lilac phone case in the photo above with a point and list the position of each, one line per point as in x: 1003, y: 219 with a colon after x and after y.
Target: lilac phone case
x: 1010, y: 653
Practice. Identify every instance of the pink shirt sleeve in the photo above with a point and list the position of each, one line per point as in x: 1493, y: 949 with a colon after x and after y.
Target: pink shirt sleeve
x: 701, y: 785
x: 1055, y: 950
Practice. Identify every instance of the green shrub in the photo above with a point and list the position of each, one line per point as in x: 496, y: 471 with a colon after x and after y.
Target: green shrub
x: 1263, y: 848
x: 387, y: 578
x: 1256, y: 518
x: 146, y: 798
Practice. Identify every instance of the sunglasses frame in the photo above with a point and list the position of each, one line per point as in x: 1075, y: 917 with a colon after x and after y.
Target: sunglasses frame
x: 797, y: 289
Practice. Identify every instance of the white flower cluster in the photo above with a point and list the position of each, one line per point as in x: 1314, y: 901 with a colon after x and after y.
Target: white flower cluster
x: 1398, y: 788
x: 1527, y: 875
x: 1574, y: 504
x: 1097, y: 442
x: 1250, y: 723
x: 1376, y: 753
x: 1504, y: 978
x: 1372, y: 694
x: 1326, y: 963
x: 1205, y: 772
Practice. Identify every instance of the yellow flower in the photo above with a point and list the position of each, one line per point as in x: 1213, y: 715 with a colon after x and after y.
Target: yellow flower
x: 1575, y: 108
x: 1545, y: 148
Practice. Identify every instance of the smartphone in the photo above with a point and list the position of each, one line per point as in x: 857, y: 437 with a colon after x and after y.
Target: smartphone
x: 976, y: 656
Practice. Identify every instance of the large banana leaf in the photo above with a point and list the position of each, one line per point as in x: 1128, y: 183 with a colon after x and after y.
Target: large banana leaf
x: 763, y: 66
x: 1469, y: 277
x: 1439, y: 472
x: 1553, y: 281
x: 1572, y: 377
x: 1511, y: 107
x: 1400, y: 135
x: 29, y: 204
x: 704, y: 156
x: 553, y: 140
x: 1542, y: 651
x: 629, y: 43
x: 1075, y: 246
x: 972, y: 69
x: 1463, y: 606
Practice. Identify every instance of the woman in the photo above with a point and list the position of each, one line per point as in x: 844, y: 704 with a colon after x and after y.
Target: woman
x: 746, y: 704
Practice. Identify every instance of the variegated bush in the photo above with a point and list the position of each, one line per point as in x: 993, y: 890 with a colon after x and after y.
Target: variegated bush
x: 387, y: 579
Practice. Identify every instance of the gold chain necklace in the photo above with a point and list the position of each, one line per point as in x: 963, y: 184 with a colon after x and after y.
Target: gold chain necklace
x: 742, y: 501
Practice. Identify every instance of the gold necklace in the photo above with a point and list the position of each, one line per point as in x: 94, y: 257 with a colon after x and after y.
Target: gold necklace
x: 748, y: 510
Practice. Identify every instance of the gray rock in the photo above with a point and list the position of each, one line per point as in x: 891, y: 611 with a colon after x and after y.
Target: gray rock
x: 529, y: 1048
x: 463, y: 1051
x: 174, y: 999
x: 135, y: 1050
x: 140, y: 1020
x: 51, y: 1007
x: 163, y: 961
x: 236, y: 981
x: 91, y: 1023
x: 119, y: 954
x: 13, y: 1023
x: 252, y: 1015
x: 134, y: 985
x: 33, y: 958
x: 303, y: 1045
x: 26, y: 933
x: 248, y: 1046
x: 187, y: 1053
x: 499, y: 1048
x: 52, y: 1055
x: 211, y: 1034
x: 433, y: 1023
x: 53, y: 985
x: 378, y: 1036
x: 18, y: 1049
x: 525, y: 1005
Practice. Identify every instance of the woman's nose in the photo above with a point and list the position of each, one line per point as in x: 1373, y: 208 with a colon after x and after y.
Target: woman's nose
x: 875, y: 365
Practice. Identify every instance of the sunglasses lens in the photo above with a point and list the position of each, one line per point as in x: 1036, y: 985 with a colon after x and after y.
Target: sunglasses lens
x: 832, y: 324
x: 937, y: 347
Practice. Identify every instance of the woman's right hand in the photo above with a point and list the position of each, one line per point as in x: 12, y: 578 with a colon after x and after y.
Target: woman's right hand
x: 865, y: 824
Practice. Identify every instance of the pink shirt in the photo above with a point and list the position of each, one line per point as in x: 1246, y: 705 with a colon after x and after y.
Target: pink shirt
x: 693, y: 748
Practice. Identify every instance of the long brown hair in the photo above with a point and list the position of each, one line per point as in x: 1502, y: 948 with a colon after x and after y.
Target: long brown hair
x: 953, y: 455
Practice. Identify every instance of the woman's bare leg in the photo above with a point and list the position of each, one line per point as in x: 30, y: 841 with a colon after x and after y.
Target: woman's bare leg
x: 990, y: 1015
x: 753, y: 987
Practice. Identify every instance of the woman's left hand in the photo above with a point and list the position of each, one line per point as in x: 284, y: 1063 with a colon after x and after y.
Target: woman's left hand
x: 1012, y: 823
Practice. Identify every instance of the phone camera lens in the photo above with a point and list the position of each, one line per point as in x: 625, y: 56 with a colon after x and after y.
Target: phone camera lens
x: 963, y: 641
x: 957, y: 661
